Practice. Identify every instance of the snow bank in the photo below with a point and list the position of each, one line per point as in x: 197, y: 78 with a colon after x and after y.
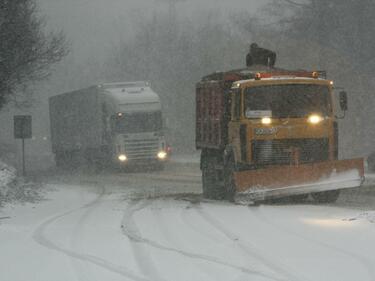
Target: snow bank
x: 13, y: 189
x: 369, y: 216
x: 7, y: 176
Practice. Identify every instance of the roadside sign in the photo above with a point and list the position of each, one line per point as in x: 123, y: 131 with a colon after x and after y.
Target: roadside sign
x: 22, y: 127
x: 22, y: 130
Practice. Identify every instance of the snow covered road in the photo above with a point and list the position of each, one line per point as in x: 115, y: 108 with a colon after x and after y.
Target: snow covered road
x: 153, y: 226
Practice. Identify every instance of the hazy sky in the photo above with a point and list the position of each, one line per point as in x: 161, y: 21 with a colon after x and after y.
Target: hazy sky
x: 93, y: 25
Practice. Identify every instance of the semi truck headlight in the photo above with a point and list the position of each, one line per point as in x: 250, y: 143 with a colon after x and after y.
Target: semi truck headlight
x: 162, y: 154
x: 122, y: 157
x: 315, y: 119
x: 266, y: 120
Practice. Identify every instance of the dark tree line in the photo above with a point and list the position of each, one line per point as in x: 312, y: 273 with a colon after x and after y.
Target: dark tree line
x: 348, y: 26
x: 336, y: 36
x: 26, y: 50
x: 332, y: 35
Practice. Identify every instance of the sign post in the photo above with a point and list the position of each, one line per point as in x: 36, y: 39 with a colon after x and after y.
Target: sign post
x: 22, y: 130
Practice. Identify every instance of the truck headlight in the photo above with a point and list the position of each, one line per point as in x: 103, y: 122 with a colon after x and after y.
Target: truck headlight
x: 122, y: 157
x: 266, y: 120
x: 315, y: 119
x: 162, y: 154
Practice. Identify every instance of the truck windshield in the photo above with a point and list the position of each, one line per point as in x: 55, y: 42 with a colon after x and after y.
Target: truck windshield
x: 292, y: 100
x: 139, y: 122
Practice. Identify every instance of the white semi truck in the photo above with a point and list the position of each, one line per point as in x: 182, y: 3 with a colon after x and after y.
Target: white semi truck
x: 118, y: 123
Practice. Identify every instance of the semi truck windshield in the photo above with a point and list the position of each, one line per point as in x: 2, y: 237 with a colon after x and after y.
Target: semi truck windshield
x: 292, y: 100
x: 139, y: 122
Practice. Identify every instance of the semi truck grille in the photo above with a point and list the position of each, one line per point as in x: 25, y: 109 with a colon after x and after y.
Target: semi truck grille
x: 280, y: 151
x: 141, y: 149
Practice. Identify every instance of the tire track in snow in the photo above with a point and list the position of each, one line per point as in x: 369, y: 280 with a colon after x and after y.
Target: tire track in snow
x: 249, y: 248
x: 128, y: 229
x: 40, y: 237
x: 368, y: 265
x: 188, y: 221
x: 141, y: 254
x: 169, y: 232
x: 76, y: 243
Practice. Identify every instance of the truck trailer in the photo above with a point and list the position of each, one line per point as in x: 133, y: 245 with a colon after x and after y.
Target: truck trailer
x: 267, y: 132
x: 112, y: 123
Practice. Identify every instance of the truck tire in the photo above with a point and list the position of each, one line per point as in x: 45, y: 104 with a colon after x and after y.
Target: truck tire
x: 298, y: 198
x: 207, y: 182
x: 63, y: 160
x: 212, y: 189
x: 94, y: 161
x: 371, y: 162
x: 229, y: 184
x: 158, y: 167
x: 326, y: 196
x: 60, y: 160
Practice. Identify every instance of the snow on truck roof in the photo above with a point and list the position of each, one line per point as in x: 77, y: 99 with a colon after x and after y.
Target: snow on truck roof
x: 238, y: 83
x: 126, y: 84
x: 263, y: 72
x: 133, y: 95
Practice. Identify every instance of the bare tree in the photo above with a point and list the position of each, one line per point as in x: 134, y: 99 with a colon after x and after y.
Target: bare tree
x: 26, y: 50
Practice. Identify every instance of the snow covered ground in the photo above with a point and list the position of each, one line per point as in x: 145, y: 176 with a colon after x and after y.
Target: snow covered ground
x: 7, y: 175
x: 153, y: 226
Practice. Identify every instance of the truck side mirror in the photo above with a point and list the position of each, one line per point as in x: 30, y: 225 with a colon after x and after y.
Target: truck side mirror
x: 343, y: 101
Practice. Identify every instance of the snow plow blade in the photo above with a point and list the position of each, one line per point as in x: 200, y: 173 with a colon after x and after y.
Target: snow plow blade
x: 283, y: 181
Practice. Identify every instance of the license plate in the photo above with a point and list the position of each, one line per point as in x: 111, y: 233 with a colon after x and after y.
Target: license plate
x: 265, y: 131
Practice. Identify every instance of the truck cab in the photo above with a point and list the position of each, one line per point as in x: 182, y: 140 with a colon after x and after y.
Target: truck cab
x: 282, y: 121
x: 136, y: 124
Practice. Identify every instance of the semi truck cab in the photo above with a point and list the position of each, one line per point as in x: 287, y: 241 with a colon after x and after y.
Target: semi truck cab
x: 136, y: 124
x: 281, y: 121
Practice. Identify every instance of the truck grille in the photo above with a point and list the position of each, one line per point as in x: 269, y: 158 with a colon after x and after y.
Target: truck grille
x: 279, y: 151
x: 141, y: 149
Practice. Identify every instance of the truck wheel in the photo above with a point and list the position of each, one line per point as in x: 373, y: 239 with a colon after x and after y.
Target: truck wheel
x: 371, y: 162
x: 206, y: 182
x: 326, y: 196
x: 210, y: 183
x: 229, y: 184
x: 158, y: 167
x: 298, y: 198
x: 61, y: 159
x: 92, y: 161
x: 93, y: 167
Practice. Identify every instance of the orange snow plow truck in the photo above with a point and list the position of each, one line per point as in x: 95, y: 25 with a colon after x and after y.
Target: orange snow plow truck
x: 267, y: 133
